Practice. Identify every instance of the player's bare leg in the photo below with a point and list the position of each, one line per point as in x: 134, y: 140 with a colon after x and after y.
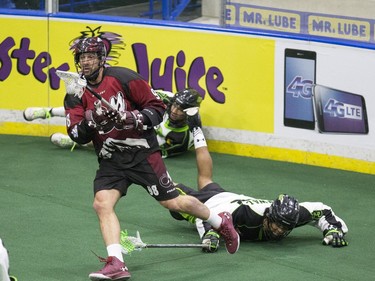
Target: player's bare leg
x: 114, y: 268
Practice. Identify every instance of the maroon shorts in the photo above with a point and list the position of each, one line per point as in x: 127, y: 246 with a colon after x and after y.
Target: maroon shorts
x: 151, y: 174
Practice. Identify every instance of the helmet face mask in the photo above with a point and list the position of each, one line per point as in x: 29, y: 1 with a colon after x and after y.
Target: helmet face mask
x: 283, y: 214
x: 90, y: 45
x: 273, y: 230
x: 182, y: 100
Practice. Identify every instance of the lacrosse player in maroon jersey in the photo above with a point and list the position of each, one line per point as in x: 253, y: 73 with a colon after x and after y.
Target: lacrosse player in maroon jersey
x: 173, y: 134
x: 255, y: 219
x: 128, y: 152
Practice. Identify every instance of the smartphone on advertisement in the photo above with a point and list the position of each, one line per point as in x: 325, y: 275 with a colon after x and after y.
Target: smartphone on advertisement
x: 339, y: 112
x: 299, y: 77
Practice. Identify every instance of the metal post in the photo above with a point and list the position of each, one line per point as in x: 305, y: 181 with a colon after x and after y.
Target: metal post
x: 52, y: 6
x: 166, y: 10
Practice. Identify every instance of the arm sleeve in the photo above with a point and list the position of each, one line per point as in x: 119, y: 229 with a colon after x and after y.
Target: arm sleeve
x: 320, y: 216
x: 76, y: 125
x: 149, y: 103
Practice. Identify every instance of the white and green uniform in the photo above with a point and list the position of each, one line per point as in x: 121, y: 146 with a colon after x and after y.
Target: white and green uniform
x: 173, y: 138
x: 248, y: 212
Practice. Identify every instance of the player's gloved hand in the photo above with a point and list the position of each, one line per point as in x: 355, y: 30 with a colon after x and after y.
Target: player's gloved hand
x: 96, y: 118
x: 212, y: 239
x: 128, y: 120
x: 335, y: 237
x: 112, y: 114
x: 165, y: 96
x: 193, y: 120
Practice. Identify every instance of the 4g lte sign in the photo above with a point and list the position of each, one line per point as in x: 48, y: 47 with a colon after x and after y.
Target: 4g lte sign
x: 339, y: 109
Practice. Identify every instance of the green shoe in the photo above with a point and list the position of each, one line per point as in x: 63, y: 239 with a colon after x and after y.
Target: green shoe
x: 32, y: 113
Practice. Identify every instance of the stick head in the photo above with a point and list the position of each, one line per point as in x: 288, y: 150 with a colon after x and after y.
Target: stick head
x: 131, y: 243
x: 74, y: 84
x: 191, y: 111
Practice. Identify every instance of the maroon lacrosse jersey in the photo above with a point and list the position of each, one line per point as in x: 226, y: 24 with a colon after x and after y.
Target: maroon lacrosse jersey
x: 126, y: 90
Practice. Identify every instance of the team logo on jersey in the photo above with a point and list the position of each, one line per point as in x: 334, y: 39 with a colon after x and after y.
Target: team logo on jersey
x: 165, y: 180
x: 74, y: 131
x: 316, y: 215
x: 118, y: 102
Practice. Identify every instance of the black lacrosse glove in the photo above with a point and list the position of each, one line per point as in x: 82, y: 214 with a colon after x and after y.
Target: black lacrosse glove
x: 212, y: 239
x: 164, y: 96
x: 335, y: 237
x: 127, y: 120
x: 194, y: 121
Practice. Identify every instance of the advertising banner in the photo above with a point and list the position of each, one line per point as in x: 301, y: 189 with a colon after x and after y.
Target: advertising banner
x: 216, y: 65
x: 258, y: 91
x: 347, y: 29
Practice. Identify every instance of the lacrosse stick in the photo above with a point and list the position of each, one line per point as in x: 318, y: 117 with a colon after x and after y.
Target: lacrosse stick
x: 131, y: 243
x: 75, y: 85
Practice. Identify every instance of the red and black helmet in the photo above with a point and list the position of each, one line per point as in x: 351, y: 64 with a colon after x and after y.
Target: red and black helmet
x: 90, y: 45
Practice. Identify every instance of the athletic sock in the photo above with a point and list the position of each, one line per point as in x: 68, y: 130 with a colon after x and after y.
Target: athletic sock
x: 115, y: 250
x: 214, y: 220
x: 58, y: 111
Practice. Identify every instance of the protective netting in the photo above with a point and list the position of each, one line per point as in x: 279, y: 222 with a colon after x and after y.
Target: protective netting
x: 131, y: 243
x: 74, y: 84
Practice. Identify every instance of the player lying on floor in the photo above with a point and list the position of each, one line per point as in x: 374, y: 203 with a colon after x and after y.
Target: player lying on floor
x: 256, y: 219
x: 173, y: 133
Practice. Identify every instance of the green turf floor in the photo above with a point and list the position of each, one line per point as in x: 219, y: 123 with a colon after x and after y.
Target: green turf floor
x: 50, y: 228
